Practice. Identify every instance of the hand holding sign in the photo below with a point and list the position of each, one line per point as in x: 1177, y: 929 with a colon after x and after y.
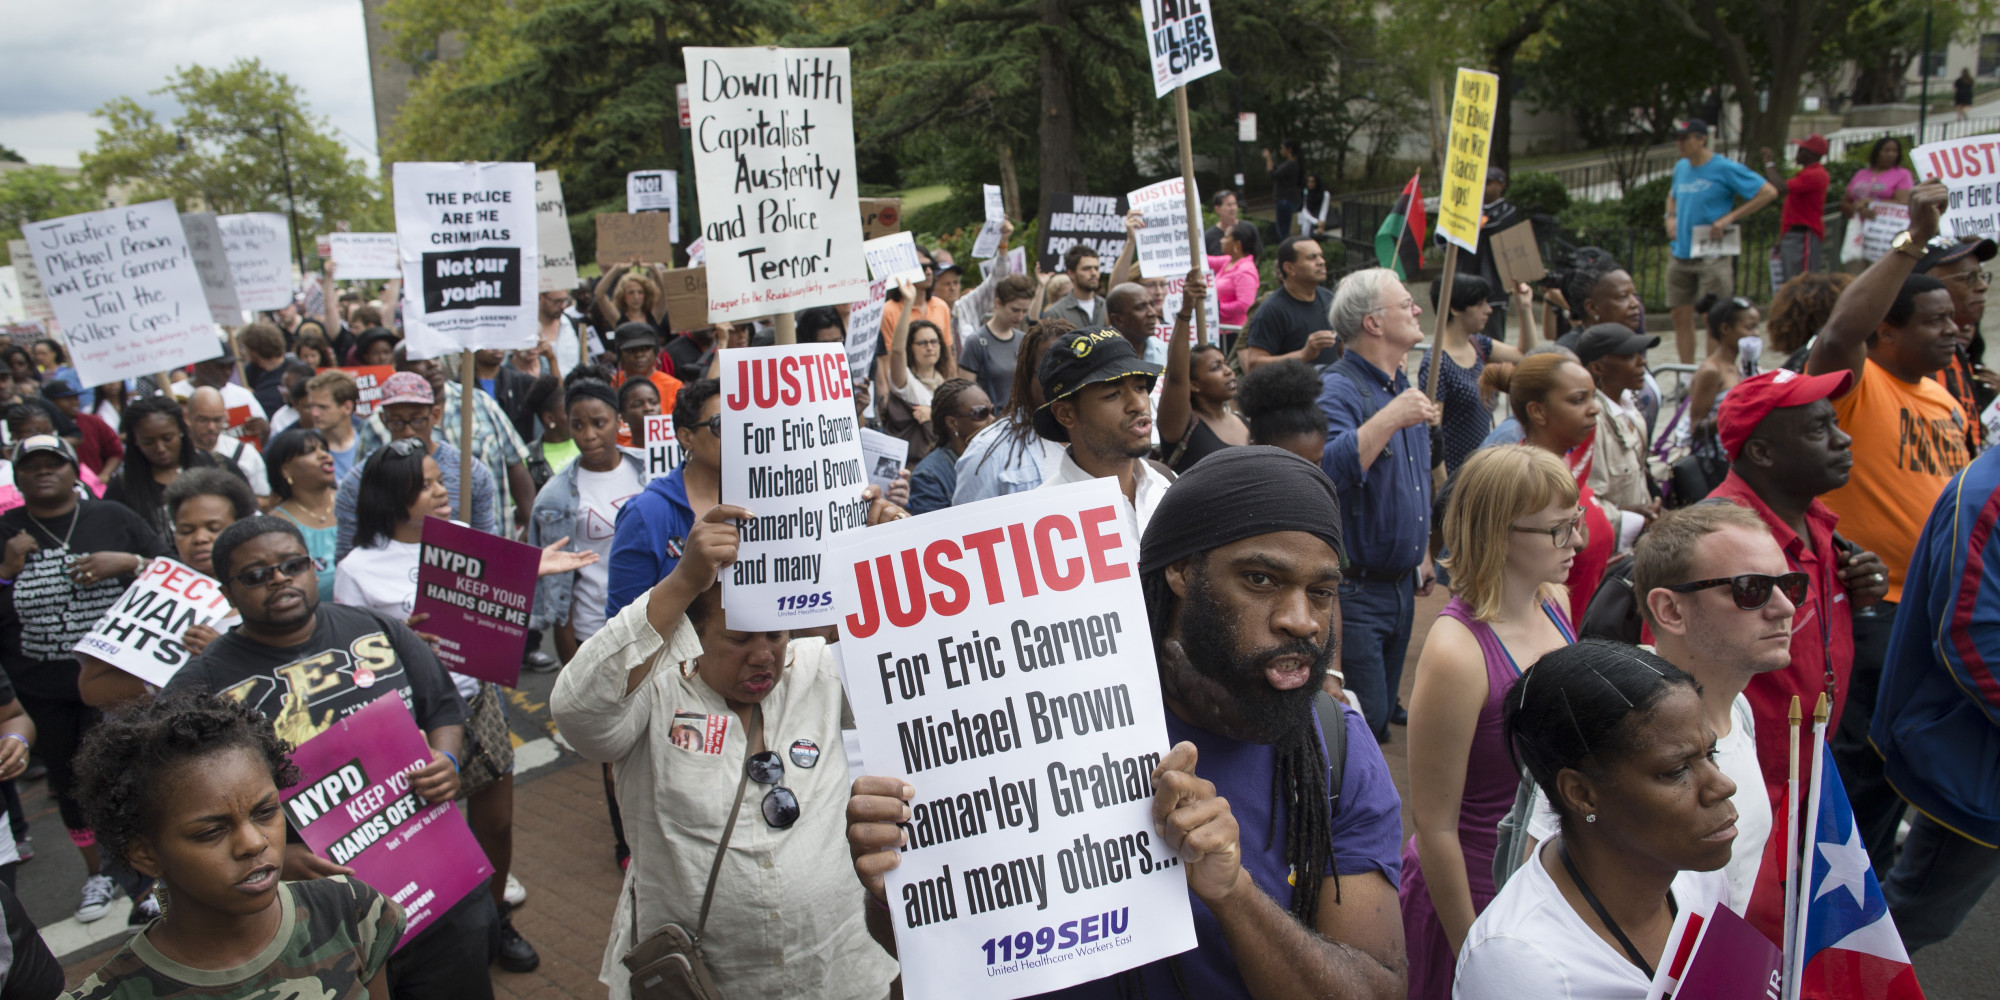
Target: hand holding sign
x: 438, y: 780
x: 1197, y: 825
x: 874, y: 829
x: 711, y: 545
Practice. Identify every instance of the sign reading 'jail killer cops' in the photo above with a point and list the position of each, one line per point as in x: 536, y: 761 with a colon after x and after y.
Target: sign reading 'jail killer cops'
x: 998, y: 658
x: 124, y: 288
x: 791, y: 455
x: 774, y: 166
x: 467, y: 233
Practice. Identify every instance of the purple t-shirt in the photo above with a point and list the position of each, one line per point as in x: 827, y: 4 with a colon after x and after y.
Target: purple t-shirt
x: 1367, y: 835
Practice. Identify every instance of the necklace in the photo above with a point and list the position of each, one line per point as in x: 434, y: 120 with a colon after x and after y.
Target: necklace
x: 63, y: 542
x: 327, y: 515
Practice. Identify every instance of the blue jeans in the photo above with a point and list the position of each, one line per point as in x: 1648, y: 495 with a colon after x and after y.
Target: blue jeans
x: 1374, y: 637
x: 1288, y: 213
x: 1938, y: 879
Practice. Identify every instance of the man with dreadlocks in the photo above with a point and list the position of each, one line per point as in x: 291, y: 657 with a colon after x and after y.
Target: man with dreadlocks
x: 1288, y: 827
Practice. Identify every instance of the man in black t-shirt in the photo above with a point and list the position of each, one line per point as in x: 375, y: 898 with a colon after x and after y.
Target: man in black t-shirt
x: 306, y: 666
x: 1292, y: 322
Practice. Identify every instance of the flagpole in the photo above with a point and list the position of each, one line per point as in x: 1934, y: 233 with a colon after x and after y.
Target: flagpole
x: 1404, y: 230
x: 1792, y: 842
x: 1796, y: 960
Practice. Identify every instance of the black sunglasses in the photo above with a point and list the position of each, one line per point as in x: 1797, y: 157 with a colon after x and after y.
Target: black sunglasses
x: 980, y: 412
x: 714, y: 425
x: 290, y: 569
x: 1753, y: 590
x: 781, y: 807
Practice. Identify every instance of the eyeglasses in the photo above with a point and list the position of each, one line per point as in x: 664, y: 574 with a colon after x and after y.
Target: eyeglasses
x: 290, y: 569
x: 399, y: 423
x: 714, y: 425
x: 1562, y: 534
x: 1752, y: 590
x: 980, y: 412
x: 1977, y: 279
x: 781, y: 807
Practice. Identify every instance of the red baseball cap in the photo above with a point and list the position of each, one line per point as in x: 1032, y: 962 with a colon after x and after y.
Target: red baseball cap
x: 1753, y: 398
x: 1814, y: 142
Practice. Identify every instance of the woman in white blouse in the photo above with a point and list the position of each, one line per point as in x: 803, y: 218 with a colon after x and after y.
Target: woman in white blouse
x: 1616, y: 738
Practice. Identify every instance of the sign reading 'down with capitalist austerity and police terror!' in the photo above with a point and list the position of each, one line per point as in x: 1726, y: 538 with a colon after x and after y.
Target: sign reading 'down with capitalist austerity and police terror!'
x: 1474, y: 98
x: 774, y: 167
x: 1970, y: 169
x: 998, y: 658
x: 791, y: 455
x: 1180, y: 34
x: 467, y: 234
x: 124, y: 288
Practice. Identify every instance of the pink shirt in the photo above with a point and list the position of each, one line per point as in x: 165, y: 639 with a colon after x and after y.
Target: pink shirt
x: 1868, y: 185
x: 1235, y: 288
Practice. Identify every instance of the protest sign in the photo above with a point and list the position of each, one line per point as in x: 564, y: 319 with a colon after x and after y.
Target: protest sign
x: 1708, y: 241
x: 477, y: 589
x: 353, y: 806
x: 1879, y: 232
x: 687, y: 298
x: 258, y: 246
x: 893, y: 258
x: 1163, y: 245
x: 1717, y: 955
x: 1017, y: 263
x: 791, y: 455
x: 1096, y: 221
x: 698, y: 256
x: 880, y: 217
x: 554, y: 251
x: 211, y: 264
x: 141, y: 634
x: 363, y: 256
x: 1473, y: 101
x: 1517, y: 256
x: 1021, y: 684
x: 624, y: 237
x: 864, y: 328
x: 466, y: 232
x: 1970, y: 169
x: 884, y: 456
x: 123, y: 287
x: 1180, y: 35
x: 663, y: 447
x: 655, y: 191
x: 1246, y: 126
x: 369, y: 379
x: 988, y: 242
x: 1171, y: 307
x: 774, y: 165
x: 33, y: 299
x: 10, y: 297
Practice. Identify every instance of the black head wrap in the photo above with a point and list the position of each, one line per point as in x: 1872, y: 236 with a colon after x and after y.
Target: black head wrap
x: 1238, y: 493
x: 591, y: 388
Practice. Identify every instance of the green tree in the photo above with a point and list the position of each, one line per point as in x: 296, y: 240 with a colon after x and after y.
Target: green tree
x: 220, y: 153
x: 32, y: 194
x: 9, y: 156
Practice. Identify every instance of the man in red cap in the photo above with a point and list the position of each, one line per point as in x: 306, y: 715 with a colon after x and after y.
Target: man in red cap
x: 1786, y: 448
x: 1802, y: 222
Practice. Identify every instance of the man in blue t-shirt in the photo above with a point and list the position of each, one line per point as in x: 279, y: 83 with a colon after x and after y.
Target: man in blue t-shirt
x: 1705, y: 190
x: 1247, y: 620
x: 652, y: 527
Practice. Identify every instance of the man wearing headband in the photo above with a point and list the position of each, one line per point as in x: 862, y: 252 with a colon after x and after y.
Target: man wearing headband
x: 1244, y: 612
x: 1099, y: 401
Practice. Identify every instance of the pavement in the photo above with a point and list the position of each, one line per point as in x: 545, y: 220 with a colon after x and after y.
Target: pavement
x: 563, y: 855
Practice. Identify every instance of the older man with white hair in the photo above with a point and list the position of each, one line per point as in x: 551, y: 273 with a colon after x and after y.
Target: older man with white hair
x: 1378, y: 454
x: 207, y: 418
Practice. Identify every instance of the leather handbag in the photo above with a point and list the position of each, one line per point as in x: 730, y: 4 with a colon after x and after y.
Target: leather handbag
x: 668, y: 964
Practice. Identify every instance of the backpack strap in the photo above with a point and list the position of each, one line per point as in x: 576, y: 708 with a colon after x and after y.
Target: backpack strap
x: 1333, y: 728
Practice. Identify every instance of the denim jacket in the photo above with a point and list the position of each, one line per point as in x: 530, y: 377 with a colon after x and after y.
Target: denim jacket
x: 554, y: 518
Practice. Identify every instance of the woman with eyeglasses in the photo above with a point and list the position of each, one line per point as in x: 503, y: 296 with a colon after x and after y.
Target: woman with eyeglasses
x: 703, y: 724
x: 1734, y: 347
x: 1512, y: 526
x: 1555, y: 400
x: 158, y: 448
x: 1617, y: 740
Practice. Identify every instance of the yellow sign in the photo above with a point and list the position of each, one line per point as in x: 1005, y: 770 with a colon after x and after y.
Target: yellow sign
x: 1464, y: 192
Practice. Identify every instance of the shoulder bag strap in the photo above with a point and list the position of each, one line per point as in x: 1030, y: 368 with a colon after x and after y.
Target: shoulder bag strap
x: 722, y: 849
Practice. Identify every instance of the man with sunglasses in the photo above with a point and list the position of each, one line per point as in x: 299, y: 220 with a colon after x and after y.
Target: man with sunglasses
x: 408, y: 411
x: 307, y: 665
x: 652, y: 528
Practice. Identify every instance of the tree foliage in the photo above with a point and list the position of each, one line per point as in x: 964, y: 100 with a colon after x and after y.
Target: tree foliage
x: 31, y: 194
x: 221, y: 152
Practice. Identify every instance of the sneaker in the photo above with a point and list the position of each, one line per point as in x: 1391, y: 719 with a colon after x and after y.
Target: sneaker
x: 516, y: 893
x: 96, y: 901
x: 143, y: 913
x: 25, y: 848
x: 540, y: 662
x: 516, y: 955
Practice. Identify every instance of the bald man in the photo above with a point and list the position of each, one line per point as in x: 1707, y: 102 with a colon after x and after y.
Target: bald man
x: 207, y: 418
x: 1130, y: 310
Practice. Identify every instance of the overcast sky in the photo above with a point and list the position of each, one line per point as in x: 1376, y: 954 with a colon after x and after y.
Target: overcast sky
x: 62, y: 59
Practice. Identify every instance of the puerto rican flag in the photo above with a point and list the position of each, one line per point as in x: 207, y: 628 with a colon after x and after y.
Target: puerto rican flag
x: 1851, y: 948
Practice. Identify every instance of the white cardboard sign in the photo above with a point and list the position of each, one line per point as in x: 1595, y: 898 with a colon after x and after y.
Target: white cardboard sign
x: 259, y: 248
x: 211, y: 263
x: 1970, y: 169
x: 774, y: 165
x: 466, y: 233
x: 1171, y: 307
x: 557, y: 255
x: 663, y: 446
x: 364, y: 256
x: 864, y: 327
x: 791, y: 454
x: 33, y: 300
x: 141, y: 634
x: 893, y: 258
x: 125, y: 290
x: 655, y: 191
x: 884, y: 456
x: 988, y: 242
x: 1180, y: 35
x: 1163, y: 244
x: 1027, y: 610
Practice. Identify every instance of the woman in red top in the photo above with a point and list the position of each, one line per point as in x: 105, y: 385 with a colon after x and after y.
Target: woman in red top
x: 1555, y: 400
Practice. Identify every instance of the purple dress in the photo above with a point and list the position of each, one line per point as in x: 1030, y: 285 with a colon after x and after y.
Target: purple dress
x: 1490, y: 783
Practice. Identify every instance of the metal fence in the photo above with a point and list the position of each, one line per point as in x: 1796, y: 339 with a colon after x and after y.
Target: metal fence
x: 1938, y: 129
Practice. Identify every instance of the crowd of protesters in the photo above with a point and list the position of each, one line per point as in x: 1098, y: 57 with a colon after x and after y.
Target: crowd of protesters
x: 1299, y: 485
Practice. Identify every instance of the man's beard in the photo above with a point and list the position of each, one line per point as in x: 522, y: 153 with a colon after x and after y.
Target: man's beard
x: 1260, y: 713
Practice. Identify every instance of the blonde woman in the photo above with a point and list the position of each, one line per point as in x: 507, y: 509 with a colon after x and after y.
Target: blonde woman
x: 1513, y: 526
x: 630, y: 293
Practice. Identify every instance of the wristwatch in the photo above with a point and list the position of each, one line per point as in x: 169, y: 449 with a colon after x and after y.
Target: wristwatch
x: 1906, y: 244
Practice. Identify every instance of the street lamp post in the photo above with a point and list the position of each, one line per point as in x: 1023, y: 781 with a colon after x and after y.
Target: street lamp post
x: 284, y: 159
